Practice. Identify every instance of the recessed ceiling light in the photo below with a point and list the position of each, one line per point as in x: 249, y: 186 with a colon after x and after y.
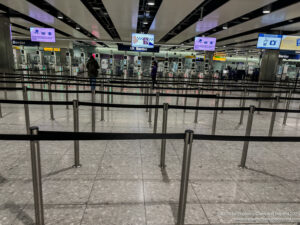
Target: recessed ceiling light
x: 290, y: 21
x: 266, y: 10
x: 225, y: 27
x: 151, y: 3
x: 77, y: 28
x: 145, y: 22
x: 60, y: 17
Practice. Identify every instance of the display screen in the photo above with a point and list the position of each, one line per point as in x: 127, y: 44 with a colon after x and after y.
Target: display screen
x: 142, y: 40
x: 269, y: 41
x: 290, y: 43
x: 205, y: 44
x: 42, y: 34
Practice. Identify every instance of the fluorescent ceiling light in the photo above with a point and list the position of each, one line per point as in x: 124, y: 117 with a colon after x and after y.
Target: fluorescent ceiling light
x: 77, y: 28
x: 145, y: 22
x: 266, y: 11
x: 151, y: 3
x: 225, y: 27
x: 60, y: 17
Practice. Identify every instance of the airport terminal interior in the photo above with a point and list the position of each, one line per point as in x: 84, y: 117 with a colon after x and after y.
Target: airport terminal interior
x: 149, y: 112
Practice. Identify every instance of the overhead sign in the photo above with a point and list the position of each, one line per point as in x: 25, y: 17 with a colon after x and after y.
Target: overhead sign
x: 269, y: 41
x: 290, y: 43
x: 25, y: 43
x: 220, y: 56
x: 39, y: 34
x: 205, y: 44
x: 142, y: 40
x: 52, y: 49
x: 122, y: 47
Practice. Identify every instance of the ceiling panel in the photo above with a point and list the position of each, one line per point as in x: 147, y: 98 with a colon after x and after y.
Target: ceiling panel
x: 80, y: 14
x: 268, y: 19
x: 36, y: 13
x: 169, y: 15
x: 291, y: 27
x: 27, y: 24
x: 124, y: 15
x: 243, y: 44
x: 238, y: 39
x: 226, y: 13
x: 26, y: 32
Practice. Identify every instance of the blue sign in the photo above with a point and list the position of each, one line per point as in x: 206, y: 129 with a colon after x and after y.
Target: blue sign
x: 269, y: 41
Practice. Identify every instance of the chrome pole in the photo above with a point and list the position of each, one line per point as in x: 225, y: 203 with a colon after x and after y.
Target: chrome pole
x: 102, y: 102
x: 185, y: 172
x: 1, y: 116
x: 150, y: 104
x: 243, y: 105
x: 37, y: 178
x: 223, y: 100
x: 177, y: 92
x: 93, y: 95
x: 77, y: 90
x: 76, y: 129
x: 248, y: 132
x: 156, y: 113
x: 26, y: 109
x: 107, y: 97
x: 273, y: 117
x: 185, y: 99
x: 67, y: 95
x: 42, y: 93
x: 111, y: 95
x: 50, y: 99
x: 197, y: 105
x: 163, y: 141
x: 287, y: 106
x: 147, y: 97
x: 214, y: 124
x: 5, y: 91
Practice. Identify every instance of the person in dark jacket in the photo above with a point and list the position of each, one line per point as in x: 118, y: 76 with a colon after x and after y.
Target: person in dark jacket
x: 92, y: 67
x: 153, y: 73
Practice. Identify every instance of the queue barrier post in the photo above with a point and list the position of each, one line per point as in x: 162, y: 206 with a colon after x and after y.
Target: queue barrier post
x: 248, y: 132
x: 150, y: 109
x: 42, y: 93
x: 185, y: 98
x: 111, y: 95
x: 1, y: 116
x: 26, y: 110
x: 287, y: 106
x: 107, y: 97
x: 156, y: 113
x: 5, y: 91
x: 243, y: 105
x: 76, y: 129
x: 50, y: 99
x: 147, y: 97
x: 177, y: 92
x: 67, y: 94
x: 214, y: 123
x: 259, y: 105
x: 163, y: 141
x: 273, y: 117
x: 102, y: 102
x: 197, y: 105
x: 93, y: 95
x: 185, y: 172
x: 77, y: 90
x: 37, y: 178
x: 223, y: 100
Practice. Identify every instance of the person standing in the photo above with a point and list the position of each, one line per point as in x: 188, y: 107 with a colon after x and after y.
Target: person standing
x: 154, y: 73
x: 92, y: 67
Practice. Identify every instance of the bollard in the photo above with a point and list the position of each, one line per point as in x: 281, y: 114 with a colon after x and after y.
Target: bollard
x: 1, y: 116
x: 50, y: 99
x: 185, y: 99
x: 76, y: 129
x: 42, y: 93
x: 185, y: 172
x: 150, y: 103
x: 37, y: 178
x: 77, y: 91
x: 156, y: 113
x: 67, y: 95
x: 197, y: 105
x: 102, y: 102
x: 163, y: 141
x: 223, y: 100
x: 214, y: 124
x: 273, y: 117
x: 243, y: 105
x: 26, y: 109
x: 248, y: 132
x: 287, y: 106
x: 93, y: 95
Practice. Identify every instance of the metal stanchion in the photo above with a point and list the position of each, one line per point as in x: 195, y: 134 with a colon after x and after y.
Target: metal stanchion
x: 77, y: 89
x: 185, y: 172
x: 50, y: 99
x: 259, y: 105
x: 76, y: 129
x: 163, y: 141
x: 248, y: 132
x: 147, y: 97
x: 37, y: 178
x: 26, y: 109
x: 177, y: 92
x: 185, y: 99
x: 273, y: 117
x: 1, y: 116
x: 150, y: 103
x: 223, y: 100
x: 93, y: 95
x: 42, y: 93
x: 243, y: 105
x: 214, y: 124
x: 111, y: 95
x: 197, y: 105
x: 287, y: 106
x: 102, y: 102
x: 67, y: 95
x: 107, y: 98
x: 5, y: 91
x: 156, y: 113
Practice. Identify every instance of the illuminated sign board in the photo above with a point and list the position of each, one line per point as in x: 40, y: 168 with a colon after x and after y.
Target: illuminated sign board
x: 269, y: 41
x: 205, y: 44
x: 142, y: 40
x: 52, y: 49
x: 290, y: 43
x: 42, y: 34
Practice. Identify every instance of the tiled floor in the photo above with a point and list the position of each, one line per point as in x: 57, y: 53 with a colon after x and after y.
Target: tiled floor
x: 120, y: 182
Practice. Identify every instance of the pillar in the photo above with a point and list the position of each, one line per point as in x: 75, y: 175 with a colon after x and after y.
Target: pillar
x: 208, y: 66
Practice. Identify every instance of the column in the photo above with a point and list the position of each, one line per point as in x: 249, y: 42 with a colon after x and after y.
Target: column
x: 208, y: 66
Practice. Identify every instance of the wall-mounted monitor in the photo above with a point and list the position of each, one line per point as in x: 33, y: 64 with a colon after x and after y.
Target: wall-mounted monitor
x: 39, y: 34
x: 142, y: 40
x: 290, y: 43
x: 205, y: 44
x: 269, y: 41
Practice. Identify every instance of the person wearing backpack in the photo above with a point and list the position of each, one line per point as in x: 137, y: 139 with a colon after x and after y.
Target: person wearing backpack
x: 92, y: 67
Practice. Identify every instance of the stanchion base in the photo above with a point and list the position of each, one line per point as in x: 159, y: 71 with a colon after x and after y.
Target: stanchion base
x: 74, y: 166
x: 243, y: 167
